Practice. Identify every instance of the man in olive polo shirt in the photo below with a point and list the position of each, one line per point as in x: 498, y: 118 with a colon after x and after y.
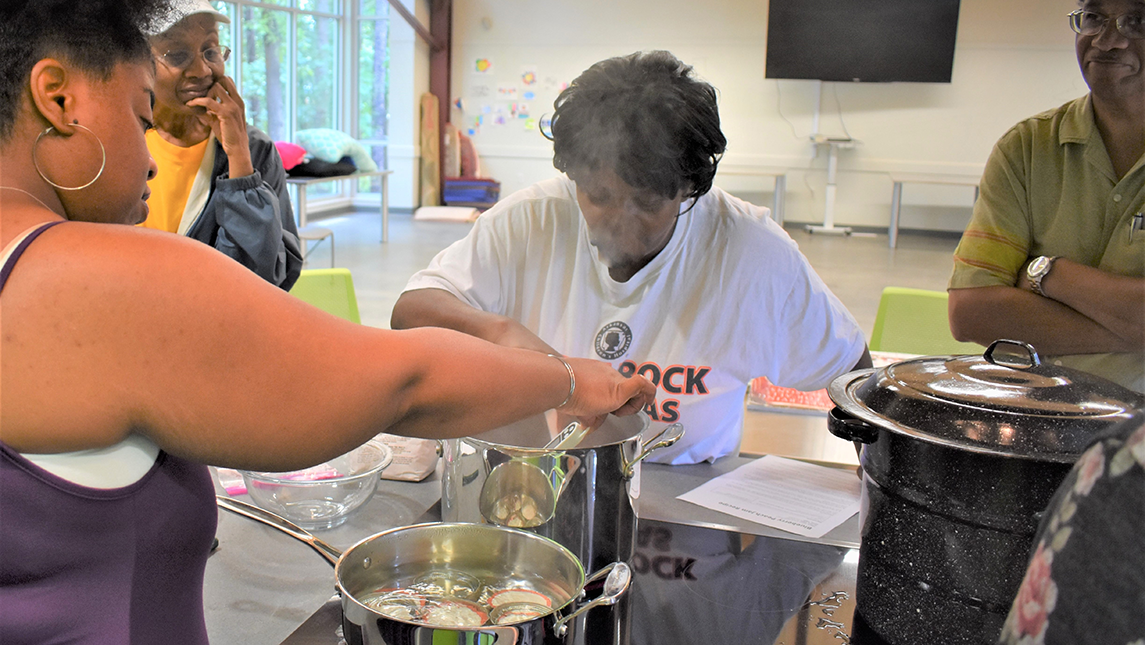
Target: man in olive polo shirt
x: 1055, y: 252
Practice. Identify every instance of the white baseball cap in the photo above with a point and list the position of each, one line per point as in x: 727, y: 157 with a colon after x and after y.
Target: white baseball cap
x: 180, y: 9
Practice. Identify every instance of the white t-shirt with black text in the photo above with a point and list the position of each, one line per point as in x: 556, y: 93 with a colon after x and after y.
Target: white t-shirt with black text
x: 728, y: 299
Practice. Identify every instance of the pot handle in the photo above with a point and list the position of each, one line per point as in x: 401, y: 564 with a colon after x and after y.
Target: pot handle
x: 1031, y: 354
x: 565, y: 465
x: 617, y: 582
x: 847, y: 427
x: 674, y: 432
x: 253, y: 512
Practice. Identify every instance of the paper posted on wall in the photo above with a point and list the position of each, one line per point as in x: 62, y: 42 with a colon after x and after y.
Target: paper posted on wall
x: 786, y: 494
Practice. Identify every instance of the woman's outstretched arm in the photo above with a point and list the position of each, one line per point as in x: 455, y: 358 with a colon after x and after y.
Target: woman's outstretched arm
x: 108, y: 330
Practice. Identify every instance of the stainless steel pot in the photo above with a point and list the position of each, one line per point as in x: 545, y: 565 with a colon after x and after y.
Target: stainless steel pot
x: 595, y: 487
x: 961, y: 456
x: 394, y: 558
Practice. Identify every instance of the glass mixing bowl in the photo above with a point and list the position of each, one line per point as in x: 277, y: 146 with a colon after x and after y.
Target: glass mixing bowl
x: 322, y: 496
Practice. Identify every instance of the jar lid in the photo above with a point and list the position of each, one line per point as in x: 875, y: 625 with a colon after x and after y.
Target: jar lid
x: 1005, y: 402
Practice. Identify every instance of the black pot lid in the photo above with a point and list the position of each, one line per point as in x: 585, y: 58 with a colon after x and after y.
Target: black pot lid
x: 1004, y: 402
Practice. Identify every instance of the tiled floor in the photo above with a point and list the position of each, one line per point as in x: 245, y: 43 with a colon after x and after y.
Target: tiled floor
x: 856, y: 268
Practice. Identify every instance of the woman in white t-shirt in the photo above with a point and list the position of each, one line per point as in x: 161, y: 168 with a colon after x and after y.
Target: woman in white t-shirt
x: 633, y: 257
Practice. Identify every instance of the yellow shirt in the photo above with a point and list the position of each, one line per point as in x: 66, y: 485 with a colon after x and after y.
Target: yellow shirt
x: 172, y: 185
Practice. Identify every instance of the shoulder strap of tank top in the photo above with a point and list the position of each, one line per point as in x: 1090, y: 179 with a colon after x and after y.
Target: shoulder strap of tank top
x: 16, y: 248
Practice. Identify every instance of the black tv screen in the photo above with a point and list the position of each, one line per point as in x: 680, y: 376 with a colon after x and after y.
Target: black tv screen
x: 874, y: 41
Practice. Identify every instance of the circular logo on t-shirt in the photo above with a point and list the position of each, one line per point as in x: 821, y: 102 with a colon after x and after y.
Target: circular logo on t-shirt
x: 613, y: 340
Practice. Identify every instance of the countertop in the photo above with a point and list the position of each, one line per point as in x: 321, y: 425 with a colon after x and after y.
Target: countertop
x: 261, y: 584
x: 699, y: 573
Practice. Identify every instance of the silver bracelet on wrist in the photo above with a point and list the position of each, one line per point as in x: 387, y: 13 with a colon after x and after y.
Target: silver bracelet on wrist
x: 572, y: 380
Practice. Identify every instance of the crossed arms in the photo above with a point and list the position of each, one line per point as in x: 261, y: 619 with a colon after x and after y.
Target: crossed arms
x: 1085, y: 311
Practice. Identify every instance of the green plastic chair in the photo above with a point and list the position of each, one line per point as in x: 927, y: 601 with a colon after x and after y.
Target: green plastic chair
x: 331, y: 290
x: 914, y: 321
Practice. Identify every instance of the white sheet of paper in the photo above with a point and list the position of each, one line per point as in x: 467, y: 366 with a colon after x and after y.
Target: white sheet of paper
x: 786, y: 494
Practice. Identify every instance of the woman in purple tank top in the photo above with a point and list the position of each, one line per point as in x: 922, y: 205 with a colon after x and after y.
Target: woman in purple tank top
x: 119, y: 341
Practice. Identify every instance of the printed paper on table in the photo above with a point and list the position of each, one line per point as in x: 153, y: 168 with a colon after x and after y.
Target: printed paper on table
x: 795, y: 496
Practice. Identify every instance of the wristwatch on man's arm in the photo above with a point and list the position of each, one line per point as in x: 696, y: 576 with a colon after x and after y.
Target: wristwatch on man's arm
x: 1037, y: 270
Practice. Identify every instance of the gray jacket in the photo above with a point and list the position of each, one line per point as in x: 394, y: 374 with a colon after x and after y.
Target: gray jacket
x: 250, y: 218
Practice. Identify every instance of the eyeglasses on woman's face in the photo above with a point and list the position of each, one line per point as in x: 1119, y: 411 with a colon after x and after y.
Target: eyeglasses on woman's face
x: 182, y: 58
x: 1091, y: 23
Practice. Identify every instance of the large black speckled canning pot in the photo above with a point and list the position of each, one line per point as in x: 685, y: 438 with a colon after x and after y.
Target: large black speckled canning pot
x: 961, y: 455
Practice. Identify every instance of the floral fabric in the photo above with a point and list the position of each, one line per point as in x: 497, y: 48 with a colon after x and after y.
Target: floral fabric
x: 1086, y: 579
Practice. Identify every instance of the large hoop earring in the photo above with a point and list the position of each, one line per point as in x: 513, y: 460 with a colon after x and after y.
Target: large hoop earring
x: 102, y: 163
x: 545, y: 126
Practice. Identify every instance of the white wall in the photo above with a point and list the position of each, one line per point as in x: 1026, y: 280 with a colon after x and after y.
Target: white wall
x: 1013, y: 58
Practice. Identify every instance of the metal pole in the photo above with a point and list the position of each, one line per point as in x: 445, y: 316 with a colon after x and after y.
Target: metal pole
x: 896, y: 206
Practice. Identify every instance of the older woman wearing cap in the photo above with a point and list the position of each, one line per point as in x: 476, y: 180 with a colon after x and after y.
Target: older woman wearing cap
x: 220, y: 180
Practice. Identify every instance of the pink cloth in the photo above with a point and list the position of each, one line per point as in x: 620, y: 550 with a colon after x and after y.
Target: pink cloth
x: 292, y: 154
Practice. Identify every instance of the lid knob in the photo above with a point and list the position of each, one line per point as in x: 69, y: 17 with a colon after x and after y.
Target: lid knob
x: 1032, y: 358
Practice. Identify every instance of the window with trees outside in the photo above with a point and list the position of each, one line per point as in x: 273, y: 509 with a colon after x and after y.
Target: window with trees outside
x: 303, y: 64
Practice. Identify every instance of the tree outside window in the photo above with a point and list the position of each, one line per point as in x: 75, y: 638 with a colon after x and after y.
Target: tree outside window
x: 289, y: 57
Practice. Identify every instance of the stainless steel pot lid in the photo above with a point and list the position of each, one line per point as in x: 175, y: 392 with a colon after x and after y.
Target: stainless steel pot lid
x: 1004, y: 402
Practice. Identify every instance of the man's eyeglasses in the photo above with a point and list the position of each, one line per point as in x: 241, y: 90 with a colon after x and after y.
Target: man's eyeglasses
x: 1088, y: 23
x: 181, y: 58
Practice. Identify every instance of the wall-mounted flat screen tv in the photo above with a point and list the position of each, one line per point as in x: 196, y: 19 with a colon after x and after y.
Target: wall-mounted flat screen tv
x: 875, y: 41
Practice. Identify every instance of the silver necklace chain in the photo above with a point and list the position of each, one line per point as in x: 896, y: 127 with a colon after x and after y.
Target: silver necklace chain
x: 21, y: 190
